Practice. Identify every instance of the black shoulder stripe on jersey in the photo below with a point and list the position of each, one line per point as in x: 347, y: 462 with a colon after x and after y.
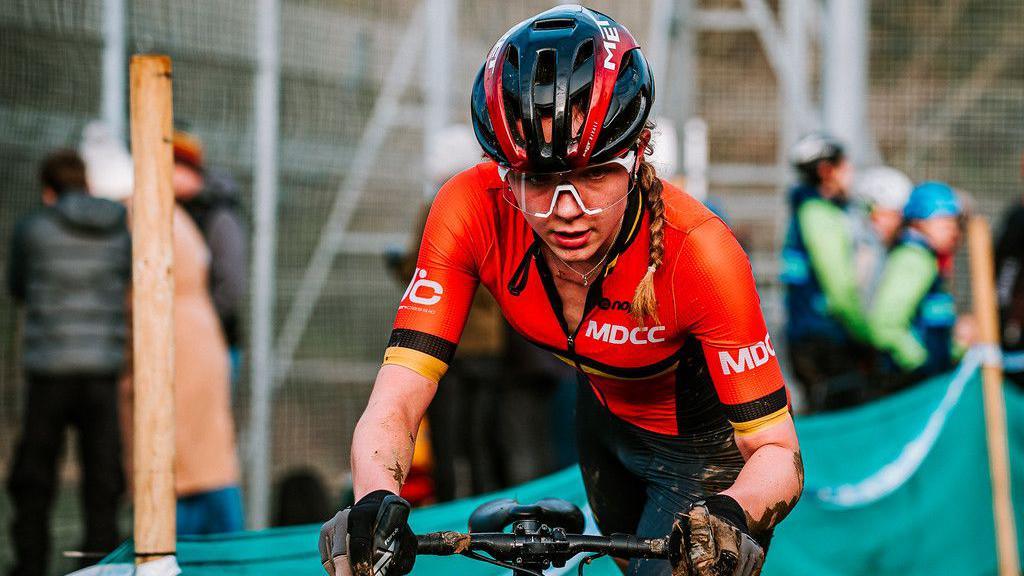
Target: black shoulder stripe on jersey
x: 759, y: 408
x: 435, y: 346
x: 616, y: 371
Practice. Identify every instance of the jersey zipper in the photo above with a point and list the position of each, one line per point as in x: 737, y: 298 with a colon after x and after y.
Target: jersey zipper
x: 593, y: 295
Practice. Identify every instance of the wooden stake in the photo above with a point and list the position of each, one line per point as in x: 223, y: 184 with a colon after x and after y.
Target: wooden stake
x: 153, y: 307
x: 983, y: 290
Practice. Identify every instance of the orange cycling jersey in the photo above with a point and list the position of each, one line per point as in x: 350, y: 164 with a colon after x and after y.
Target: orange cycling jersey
x: 707, y: 359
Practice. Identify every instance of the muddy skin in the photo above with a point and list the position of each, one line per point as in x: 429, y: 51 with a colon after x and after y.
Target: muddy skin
x: 776, y: 512
x: 396, y: 472
x: 412, y: 439
x: 772, y: 516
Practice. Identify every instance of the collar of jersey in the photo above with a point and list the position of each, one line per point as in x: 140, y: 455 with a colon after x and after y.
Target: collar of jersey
x: 635, y: 207
x: 631, y: 221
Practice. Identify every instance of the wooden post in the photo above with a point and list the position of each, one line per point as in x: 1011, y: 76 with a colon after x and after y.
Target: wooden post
x: 153, y: 307
x: 983, y: 290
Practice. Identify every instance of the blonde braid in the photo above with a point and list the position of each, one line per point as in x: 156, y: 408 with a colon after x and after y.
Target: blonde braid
x: 645, y: 304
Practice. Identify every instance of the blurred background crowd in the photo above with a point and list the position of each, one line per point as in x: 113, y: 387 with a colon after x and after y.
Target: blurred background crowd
x: 845, y: 142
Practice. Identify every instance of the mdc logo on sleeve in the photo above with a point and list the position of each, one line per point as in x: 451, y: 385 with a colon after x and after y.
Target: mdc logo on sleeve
x: 747, y: 358
x: 422, y: 291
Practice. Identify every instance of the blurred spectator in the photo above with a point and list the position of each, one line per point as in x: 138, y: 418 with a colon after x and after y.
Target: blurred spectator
x: 211, y: 197
x: 206, y: 464
x: 206, y: 468
x: 1010, y: 281
x: 879, y: 195
x: 70, y: 268
x: 664, y: 156
x: 301, y: 498
x: 535, y: 436
x: 826, y: 326
x: 108, y: 164
x: 914, y: 313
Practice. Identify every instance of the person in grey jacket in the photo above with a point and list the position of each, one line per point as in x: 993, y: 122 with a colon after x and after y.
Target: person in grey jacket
x: 70, y: 270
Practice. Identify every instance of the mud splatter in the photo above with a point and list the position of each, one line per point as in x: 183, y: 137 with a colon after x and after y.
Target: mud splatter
x: 798, y: 463
x: 412, y: 439
x: 361, y: 569
x: 772, y: 516
x: 396, y: 472
x: 456, y: 541
x: 717, y: 477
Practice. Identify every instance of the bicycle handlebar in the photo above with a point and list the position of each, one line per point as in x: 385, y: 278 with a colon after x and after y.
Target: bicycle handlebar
x: 557, y: 544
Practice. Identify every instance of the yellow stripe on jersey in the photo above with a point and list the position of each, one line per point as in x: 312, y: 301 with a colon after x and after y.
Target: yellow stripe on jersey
x: 762, y: 423
x: 423, y: 364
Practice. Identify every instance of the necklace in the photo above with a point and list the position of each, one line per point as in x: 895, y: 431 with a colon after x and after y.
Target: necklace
x: 583, y: 275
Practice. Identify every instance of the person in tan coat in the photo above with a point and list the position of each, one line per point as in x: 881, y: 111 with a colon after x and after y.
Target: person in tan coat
x: 206, y: 471
x: 206, y: 467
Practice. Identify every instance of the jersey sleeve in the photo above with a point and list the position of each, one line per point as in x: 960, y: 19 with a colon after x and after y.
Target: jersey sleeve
x: 436, y: 302
x: 723, y: 310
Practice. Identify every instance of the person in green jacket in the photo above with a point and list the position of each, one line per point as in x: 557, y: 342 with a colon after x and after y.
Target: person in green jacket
x: 913, y: 315
x: 826, y: 326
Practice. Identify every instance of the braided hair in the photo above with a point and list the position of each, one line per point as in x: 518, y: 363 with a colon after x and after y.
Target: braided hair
x: 645, y: 304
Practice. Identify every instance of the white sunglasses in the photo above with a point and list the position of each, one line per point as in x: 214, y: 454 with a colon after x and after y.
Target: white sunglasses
x: 628, y: 161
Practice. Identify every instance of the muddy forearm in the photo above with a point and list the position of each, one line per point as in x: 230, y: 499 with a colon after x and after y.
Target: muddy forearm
x: 381, y: 453
x: 384, y: 438
x: 769, y: 485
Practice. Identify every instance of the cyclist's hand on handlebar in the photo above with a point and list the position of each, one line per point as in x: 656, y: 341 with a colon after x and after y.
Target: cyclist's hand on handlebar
x: 334, y: 545
x: 712, y: 539
x: 372, y: 538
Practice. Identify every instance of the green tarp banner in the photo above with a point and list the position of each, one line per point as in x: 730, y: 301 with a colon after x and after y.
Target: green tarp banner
x: 897, y: 487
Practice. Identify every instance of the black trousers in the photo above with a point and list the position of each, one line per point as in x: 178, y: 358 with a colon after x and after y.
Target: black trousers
x: 834, y: 375
x: 495, y: 418
x: 90, y: 405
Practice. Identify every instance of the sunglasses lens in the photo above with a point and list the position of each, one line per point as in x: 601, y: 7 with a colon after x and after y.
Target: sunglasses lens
x: 593, y: 187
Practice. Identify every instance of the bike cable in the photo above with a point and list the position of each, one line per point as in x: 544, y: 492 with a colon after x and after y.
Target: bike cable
x: 583, y: 563
x: 513, y: 567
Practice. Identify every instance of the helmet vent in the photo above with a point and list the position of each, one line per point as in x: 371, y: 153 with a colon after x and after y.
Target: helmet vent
x: 585, y: 52
x: 554, y: 24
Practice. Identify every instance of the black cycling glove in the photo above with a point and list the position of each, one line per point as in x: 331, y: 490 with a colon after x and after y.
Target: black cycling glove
x: 374, y: 534
x: 712, y: 539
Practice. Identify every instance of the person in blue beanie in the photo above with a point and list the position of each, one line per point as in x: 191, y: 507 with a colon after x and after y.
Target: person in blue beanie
x: 913, y: 315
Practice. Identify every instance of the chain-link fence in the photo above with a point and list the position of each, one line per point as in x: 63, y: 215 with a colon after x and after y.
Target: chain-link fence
x: 945, y: 100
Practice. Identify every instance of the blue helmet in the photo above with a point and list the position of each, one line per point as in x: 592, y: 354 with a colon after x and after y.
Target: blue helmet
x: 932, y: 200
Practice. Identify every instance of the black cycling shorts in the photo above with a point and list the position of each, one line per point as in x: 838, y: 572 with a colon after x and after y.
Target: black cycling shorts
x: 637, y: 480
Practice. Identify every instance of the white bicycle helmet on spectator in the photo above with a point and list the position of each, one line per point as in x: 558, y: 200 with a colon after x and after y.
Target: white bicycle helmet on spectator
x: 664, y: 148
x: 882, y: 186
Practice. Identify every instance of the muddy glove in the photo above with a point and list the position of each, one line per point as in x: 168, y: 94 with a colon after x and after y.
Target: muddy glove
x: 712, y: 539
x: 372, y: 538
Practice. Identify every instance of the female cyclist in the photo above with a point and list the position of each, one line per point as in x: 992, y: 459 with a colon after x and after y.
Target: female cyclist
x: 682, y: 405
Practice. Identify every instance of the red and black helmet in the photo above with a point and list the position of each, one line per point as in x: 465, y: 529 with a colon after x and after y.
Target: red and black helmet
x: 565, y: 59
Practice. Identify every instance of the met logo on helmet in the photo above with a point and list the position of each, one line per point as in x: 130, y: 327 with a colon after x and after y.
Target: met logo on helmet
x: 422, y: 291
x: 611, y: 41
x: 614, y: 334
x: 747, y: 358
